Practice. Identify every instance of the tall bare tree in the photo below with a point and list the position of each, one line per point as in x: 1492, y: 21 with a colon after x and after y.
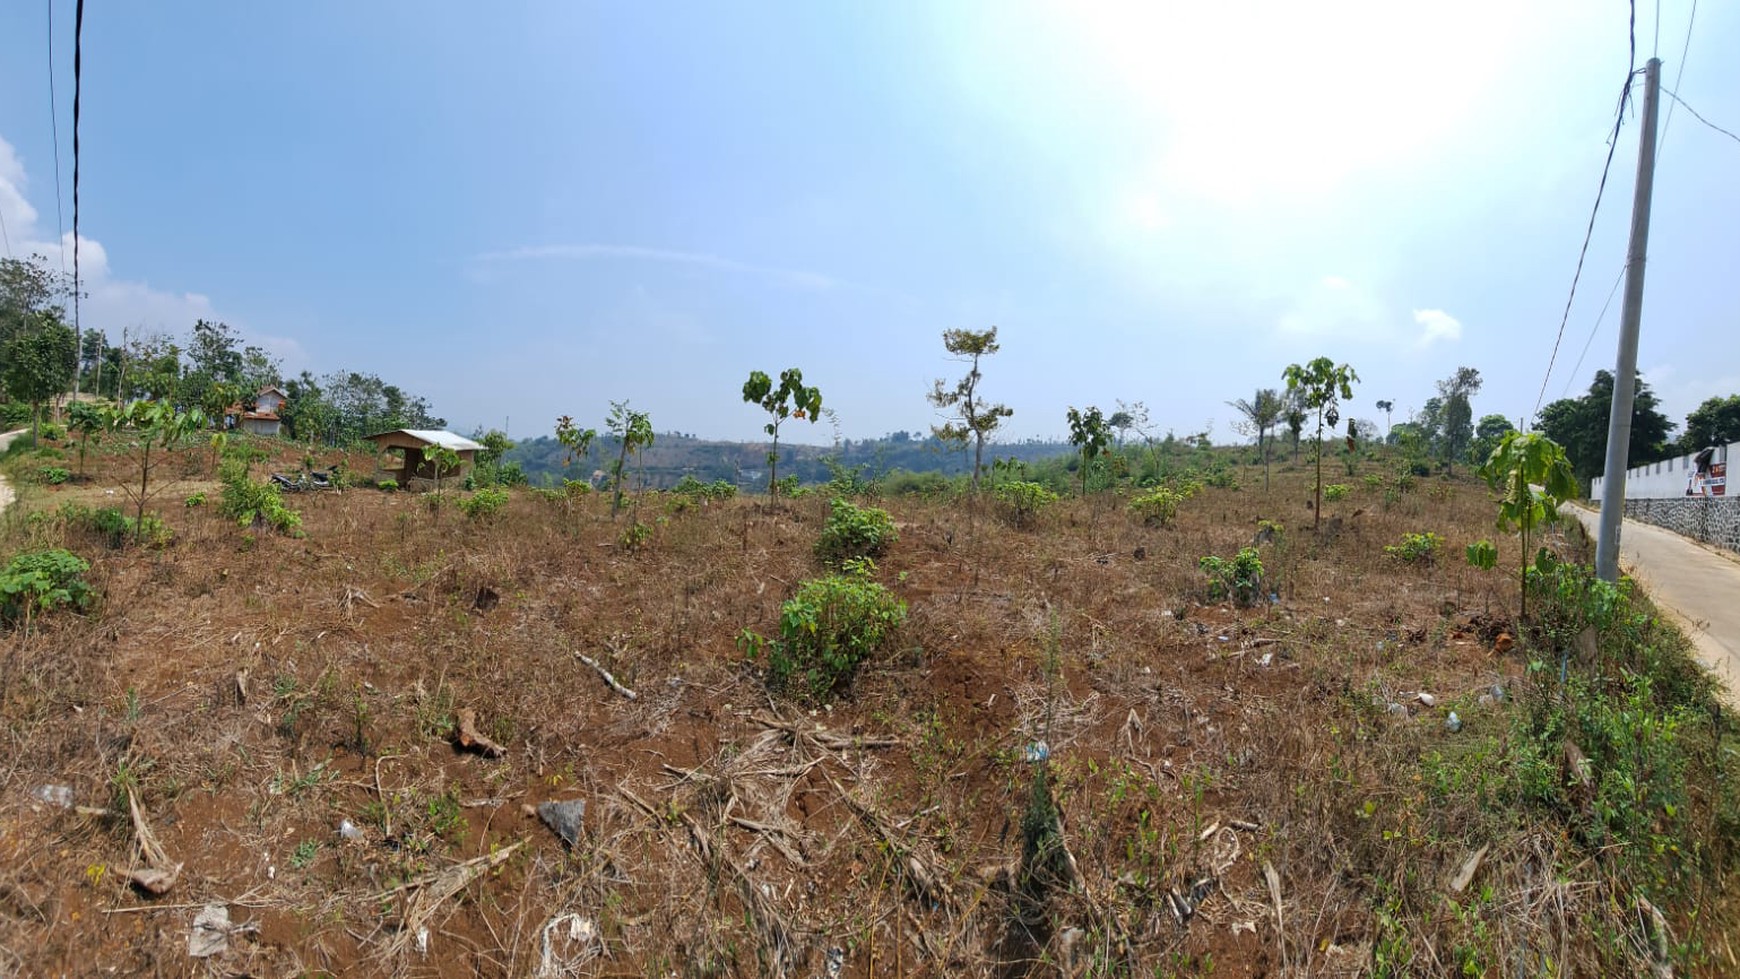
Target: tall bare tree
x: 978, y: 418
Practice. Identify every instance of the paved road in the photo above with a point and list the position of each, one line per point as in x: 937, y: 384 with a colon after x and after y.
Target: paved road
x: 1698, y: 585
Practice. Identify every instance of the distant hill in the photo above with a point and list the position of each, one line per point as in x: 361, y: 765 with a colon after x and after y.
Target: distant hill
x: 673, y: 456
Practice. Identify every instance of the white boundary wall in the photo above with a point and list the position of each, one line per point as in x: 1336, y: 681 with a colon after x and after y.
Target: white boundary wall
x: 1670, y: 478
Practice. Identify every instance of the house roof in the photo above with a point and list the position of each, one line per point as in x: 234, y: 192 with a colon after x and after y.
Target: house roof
x: 271, y: 389
x: 431, y: 436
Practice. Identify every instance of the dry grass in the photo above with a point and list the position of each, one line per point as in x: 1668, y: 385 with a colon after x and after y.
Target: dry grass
x: 254, y: 691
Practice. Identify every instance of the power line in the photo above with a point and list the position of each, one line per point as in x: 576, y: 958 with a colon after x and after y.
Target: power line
x: 1701, y: 119
x: 1571, y: 378
x: 54, y: 127
x: 78, y: 86
x: 1679, y: 73
x: 1589, y: 232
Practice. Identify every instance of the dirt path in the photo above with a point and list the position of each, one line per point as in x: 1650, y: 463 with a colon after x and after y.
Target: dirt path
x: 1700, y: 586
x: 6, y: 488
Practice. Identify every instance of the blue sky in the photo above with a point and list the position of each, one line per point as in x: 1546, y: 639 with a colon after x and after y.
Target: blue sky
x: 528, y: 210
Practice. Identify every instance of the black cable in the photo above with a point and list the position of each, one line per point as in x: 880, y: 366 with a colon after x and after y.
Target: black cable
x: 1572, y: 376
x: 54, y: 127
x: 78, y: 71
x: 1701, y: 119
x: 1679, y: 73
x: 1589, y: 232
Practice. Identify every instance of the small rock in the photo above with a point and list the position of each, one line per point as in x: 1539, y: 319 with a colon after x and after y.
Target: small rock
x: 1427, y: 699
x: 835, y: 962
x: 1498, y: 692
x: 1397, y: 709
x: 1452, y: 723
x: 54, y: 795
x: 1266, y: 659
x: 1486, y: 700
x: 565, y: 818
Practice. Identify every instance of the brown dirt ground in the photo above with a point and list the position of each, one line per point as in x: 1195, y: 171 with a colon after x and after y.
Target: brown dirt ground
x: 259, y: 690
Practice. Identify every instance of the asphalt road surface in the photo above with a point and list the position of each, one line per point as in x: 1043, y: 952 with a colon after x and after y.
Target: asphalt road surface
x: 1699, y: 585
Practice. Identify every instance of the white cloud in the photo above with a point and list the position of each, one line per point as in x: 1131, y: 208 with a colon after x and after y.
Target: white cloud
x: 111, y: 304
x: 592, y: 252
x: 1334, y: 307
x: 1436, y: 325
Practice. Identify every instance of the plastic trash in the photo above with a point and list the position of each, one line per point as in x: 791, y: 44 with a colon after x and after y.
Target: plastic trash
x: 349, y: 830
x: 1266, y: 659
x: 54, y: 795
x: 1036, y: 752
x: 1452, y: 723
x: 1397, y: 709
x: 835, y: 962
x: 1427, y: 699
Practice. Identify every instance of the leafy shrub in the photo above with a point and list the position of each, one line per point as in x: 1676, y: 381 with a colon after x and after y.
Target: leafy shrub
x: 1417, y: 548
x: 41, y: 581
x: 1222, y: 477
x: 1419, y: 467
x: 1240, y: 579
x: 115, y: 527
x: 14, y: 414
x: 635, y: 536
x: 51, y: 432
x: 829, y: 627
x: 195, y: 500
x: 844, y: 480
x: 1157, y: 508
x: 904, y: 482
x: 387, y: 485
x: 1405, y: 482
x: 1374, y: 482
x: 484, y: 504
x: 1334, y: 492
x: 697, y: 491
x: 255, y: 503
x: 853, y: 531
x: 53, y: 475
x: 1022, y: 500
x: 793, y: 488
x: 1483, y: 555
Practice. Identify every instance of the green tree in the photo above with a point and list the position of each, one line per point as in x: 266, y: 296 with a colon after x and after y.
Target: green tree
x: 147, y: 428
x: 1294, y: 414
x: 1261, y: 413
x: 978, y: 419
x: 89, y: 421
x: 40, y: 363
x: 1580, y: 426
x: 1457, y: 392
x: 495, y: 445
x: 1715, y: 422
x: 791, y: 399
x: 1090, y: 434
x: 1533, y: 477
x: 576, y: 442
x: 30, y: 290
x: 633, y: 432
x: 1320, y: 384
x: 1387, y: 407
x: 1487, y: 434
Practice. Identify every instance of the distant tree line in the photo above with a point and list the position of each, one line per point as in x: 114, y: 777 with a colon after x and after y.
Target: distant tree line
x: 211, y: 368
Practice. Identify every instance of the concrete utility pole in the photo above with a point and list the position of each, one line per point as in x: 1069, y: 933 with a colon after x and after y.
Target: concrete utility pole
x: 1625, y: 372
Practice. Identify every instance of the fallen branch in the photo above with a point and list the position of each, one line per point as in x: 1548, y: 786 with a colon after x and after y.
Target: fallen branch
x: 619, y: 688
x: 825, y: 738
x: 467, y: 735
x: 158, y: 875
x: 435, y: 889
